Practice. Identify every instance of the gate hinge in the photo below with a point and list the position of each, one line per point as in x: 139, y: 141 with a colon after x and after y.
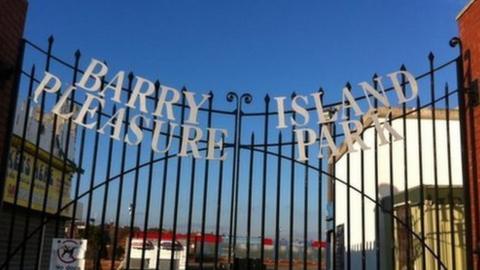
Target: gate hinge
x: 473, y: 94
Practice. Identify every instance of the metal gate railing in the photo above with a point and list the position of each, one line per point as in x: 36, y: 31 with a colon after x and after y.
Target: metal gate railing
x: 402, y: 205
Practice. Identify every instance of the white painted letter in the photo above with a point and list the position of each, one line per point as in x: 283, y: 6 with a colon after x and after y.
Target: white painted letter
x: 86, y: 109
x: 212, y: 143
x: 380, y: 96
x: 157, y: 133
x: 116, y: 85
x: 410, y: 79
x: 162, y: 100
x: 302, y: 143
x: 347, y: 95
x: 137, y: 93
x: 116, y: 122
x: 300, y: 110
x: 44, y: 83
x: 186, y: 141
x: 57, y: 109
x: 350, y: 137
x: 137, y: 131
x: 190, y: 97
x: 281, y: 112
x: 89, y: 73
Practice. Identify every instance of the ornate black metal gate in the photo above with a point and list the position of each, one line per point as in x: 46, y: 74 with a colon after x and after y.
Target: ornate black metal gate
x: 400, y: 205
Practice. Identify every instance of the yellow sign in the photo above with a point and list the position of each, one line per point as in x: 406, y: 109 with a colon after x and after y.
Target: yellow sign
x: 36, y: 196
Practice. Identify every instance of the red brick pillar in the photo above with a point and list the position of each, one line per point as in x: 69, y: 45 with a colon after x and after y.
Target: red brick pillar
x: 12, y: 22
x: 469, y: 26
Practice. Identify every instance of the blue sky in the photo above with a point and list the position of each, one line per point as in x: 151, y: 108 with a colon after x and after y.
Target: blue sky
x: 274, y: 47
x: 257, y: 46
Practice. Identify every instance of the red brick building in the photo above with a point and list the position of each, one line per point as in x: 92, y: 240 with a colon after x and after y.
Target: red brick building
x: 469, y: 33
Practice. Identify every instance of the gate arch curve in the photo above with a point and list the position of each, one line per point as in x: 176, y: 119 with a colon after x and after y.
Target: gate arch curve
x: 238, y: 175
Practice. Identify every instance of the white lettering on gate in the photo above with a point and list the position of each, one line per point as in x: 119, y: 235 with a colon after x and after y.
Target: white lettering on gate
x: 160, y: 114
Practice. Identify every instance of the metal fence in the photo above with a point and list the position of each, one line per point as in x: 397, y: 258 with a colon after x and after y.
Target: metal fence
x: 260, y: 207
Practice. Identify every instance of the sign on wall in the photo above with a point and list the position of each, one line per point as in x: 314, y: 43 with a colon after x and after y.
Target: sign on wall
x: 68, y: 254
x: 36, y: 168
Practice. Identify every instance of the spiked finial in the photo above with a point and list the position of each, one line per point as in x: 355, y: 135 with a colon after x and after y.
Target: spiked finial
x: 157, y: 84
x: 320, y: 90
x: 293, y: 94
x: 431, y: 56
x: 51, y: 39
x: 267, y: 98
x: 403, y: 67
x: 77, y: 53
x: 130, y: 76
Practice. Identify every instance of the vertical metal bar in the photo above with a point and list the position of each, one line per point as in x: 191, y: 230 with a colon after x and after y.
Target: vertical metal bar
x: 292, y: 194
x: 219, y: 204
x: 431, y: 58
x: 377, y: 209
x: 205, y: 187
x: 133, y: 210
x: 105, y: 195
x: 122, y: 176
x: 162, y: 201
x: 362, y: 199
x: 450, y: 184
x: 305, y: 215
x: 149, y: 191
x: 177, y: 187
x: 190, y: 209
x: 93, y: 170
x: 233, y: 192
x: 320, y: 197
x: 237, y: 177
x: 231, y: 96
x: 392, y: 196
x: 349, y: 262
x: 333, y: 128
x: 249, y: 210
x: 264, y: 175
x: 405, y: 174
x: 20, y: 165
x: 65, y: 160
x: 36, y: 155
x: 420, y: 171
x: 277, y: 209
x: 67, y: 151
x: 230, y: 231
x: 465, y: 153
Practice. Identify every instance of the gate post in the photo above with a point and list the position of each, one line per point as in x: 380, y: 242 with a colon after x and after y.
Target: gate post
x: 469, y: 23
x: 12, y: 22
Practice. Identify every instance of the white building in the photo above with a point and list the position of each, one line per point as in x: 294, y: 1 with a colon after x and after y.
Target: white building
x: 444, y: 176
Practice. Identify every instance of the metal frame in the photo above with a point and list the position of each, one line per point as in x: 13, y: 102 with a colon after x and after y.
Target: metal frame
x: 268, y: 152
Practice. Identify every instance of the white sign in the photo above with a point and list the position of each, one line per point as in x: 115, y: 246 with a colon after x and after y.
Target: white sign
x: 68, y: 254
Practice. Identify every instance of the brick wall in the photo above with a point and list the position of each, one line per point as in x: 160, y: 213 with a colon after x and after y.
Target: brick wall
x: 469, y: 28
x: 12, y: 22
